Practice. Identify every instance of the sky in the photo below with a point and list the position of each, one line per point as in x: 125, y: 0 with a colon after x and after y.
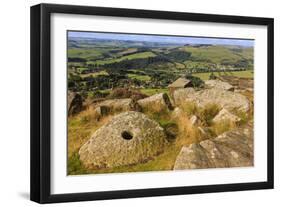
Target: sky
x: 163, y: 38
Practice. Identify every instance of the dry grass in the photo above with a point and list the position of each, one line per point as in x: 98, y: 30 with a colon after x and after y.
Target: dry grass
x: 205, y: 114
x: 190, y: 108
x: 88, y: 121
x: 187, y: 132
x: 223, y: 126
x: 81, y: 126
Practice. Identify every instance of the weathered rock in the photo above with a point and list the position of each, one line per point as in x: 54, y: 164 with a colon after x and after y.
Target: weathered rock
x: 101, y: 111
x: 74, y: 103
x: 230, y: 149
x: 202, y: 130
x: 205, y: 132
x: 194, y: 120
x: 180, y: 83
x: 171, y: 131
x: 225, y: 115
x: 219, y: 85
x: 225, y: 99
x: 180, y: 95
x: 192, y: 157
x: 129, y: 138
x: 118, y: 105
x: 177, y: 112
x: 156, y: 103
x: 237, y: 82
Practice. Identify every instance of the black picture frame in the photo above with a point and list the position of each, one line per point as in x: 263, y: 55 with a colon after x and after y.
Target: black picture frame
x: 41, y: 96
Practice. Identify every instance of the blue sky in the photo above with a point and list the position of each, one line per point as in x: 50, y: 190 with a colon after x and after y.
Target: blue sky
x: 164, y: 39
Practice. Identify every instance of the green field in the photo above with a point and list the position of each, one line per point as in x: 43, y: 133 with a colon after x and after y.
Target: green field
x: 241, y: 74
x: 95, y: 74
x: 139, y: 77
x: 126, y: 57
x: 86, y: 53
x: 216, y: 54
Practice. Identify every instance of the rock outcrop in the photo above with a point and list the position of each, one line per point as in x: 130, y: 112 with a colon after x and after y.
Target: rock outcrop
x: 74, y: 103
x: 219, y: 85
x: 225, y: 99
x: 118, y: 105
x: 230, y: 149
x: 129, y: 138
x: 238, y: 82
x: 156, y: 103
x: 225, y: 115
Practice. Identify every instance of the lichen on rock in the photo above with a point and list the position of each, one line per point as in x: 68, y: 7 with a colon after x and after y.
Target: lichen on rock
x: 225, y: 99
x: 129, y: 138
x: 230, y: 149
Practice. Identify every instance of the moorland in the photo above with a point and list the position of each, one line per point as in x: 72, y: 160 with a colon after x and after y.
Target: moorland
x: 108, y: 77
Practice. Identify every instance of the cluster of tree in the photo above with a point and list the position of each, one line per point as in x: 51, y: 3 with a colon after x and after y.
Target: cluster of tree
x: 195, y: 81
x: 243, y: 63
x: 136, y: 63
x: 76, y: 59
x: 178, y: 56
x: 162, y: 80
x: 101, y: 82
x: 204, y: 70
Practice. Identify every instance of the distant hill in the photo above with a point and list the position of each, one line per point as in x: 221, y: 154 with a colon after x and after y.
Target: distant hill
x: 90, y: 42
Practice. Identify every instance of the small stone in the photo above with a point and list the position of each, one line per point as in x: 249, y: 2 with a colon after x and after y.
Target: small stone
x: 225, y: 115
x: 194, y: 120
x: 177, y: 112
x: 102, y: 111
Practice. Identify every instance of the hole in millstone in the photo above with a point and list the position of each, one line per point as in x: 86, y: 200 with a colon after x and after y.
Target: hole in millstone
x: 127, y: 135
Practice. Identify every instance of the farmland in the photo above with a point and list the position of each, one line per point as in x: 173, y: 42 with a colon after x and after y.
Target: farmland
x: 95, y: 64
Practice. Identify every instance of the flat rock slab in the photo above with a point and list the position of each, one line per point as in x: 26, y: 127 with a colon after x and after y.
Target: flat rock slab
x: 219, y: 85
x: 230, y: 149
x: 225, y: 99
x: 225, y: 115
x: 129, y: 138
x: 118, y: 105
x: 156, y: 103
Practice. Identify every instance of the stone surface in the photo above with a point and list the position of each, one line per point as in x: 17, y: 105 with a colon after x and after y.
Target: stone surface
x: 118, y: 105
x: 194, y: 120
x: 101, y: 111
x: 177, y: 112
x: 225, y: 99
x: 230, y: 149
x: 219, y: 85
x: 180, y: 95
x: 156, y: 103
x: 240, y: 83
x: 225, y: 115
x: 129, y: 138
x: 74, y: 103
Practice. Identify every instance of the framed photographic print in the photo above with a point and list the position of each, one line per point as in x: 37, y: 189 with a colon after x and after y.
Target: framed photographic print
x: 133, y: 103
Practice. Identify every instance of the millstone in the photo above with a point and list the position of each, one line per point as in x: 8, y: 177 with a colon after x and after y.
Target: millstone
x: 129, y: 138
